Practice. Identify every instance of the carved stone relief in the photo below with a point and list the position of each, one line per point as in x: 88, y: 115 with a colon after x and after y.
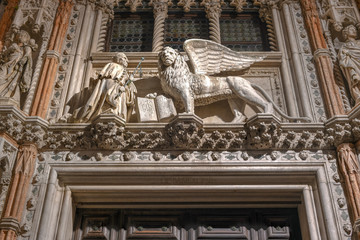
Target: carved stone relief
x: 339, y: 13
x: 349, y: 61
x: 338, y: 194
x: 36, y: 17
x: 333, y: 48
x: 16, y: 67
x: 198, y: 87
x: 187, y: 156
x: 36, y: 192
x: 113, y: 92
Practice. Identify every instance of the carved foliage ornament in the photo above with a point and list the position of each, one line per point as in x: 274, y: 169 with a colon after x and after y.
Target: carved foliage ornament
x: 238, y: 4
x: 186, y: 4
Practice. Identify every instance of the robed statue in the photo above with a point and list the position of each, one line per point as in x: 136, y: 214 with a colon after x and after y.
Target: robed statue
x: 349, y: 60
x: 114, y: 93
x: 16, y: 66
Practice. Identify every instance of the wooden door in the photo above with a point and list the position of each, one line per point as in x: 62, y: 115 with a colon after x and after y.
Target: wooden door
x: 189, y: 224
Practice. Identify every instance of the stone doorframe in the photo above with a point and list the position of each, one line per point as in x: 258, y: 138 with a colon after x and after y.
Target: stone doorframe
x: 265, y: 185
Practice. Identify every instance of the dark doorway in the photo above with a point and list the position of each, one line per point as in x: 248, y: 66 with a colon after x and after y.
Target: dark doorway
x: 187, y: 224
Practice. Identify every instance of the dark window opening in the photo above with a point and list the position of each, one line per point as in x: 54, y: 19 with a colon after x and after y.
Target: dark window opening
x: 131, y: 32
x: 182, y: 26
x: 243, y: 32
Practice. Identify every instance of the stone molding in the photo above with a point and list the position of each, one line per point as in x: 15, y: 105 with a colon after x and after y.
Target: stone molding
x: 262, y: 131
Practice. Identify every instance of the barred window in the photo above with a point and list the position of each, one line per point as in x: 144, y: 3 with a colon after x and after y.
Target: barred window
x: 131, y: 32
x: 180, y: 27
x: 243, y: 32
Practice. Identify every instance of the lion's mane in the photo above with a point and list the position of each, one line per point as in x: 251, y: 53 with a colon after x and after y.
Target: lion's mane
x: 177, y: 76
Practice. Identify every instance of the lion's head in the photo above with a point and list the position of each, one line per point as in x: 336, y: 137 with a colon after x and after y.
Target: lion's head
x: 168, y: 56
x: 171, y: 64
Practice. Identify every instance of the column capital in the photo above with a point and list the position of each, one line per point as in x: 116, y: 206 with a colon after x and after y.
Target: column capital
x: 160, y: 7
x: 212, y: 7
x: 321, y: 52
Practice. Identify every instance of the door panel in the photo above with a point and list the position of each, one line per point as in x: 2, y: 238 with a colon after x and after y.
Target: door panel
x: 189, y: 224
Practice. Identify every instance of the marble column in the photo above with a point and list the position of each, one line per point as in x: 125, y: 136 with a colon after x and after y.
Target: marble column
x: 6, y: 19
x: 304, y: 98
x: 213, y: 12
x: 18, y: 189
x: 47, y: 77
x: 330, y: 90
x: 349, y: 171
x: 160, y: 9
x: 286, y: 76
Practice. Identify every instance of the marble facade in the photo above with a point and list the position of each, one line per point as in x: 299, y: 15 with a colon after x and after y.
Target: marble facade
x: 50, y: 168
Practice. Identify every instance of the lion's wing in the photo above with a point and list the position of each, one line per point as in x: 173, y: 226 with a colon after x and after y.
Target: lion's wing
x: 208, y: 57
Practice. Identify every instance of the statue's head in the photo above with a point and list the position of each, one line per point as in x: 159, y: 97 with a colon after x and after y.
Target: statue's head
x: 121, y: 58
x: 350, y: 31
x: 168, y: 56
x: 22, y: 37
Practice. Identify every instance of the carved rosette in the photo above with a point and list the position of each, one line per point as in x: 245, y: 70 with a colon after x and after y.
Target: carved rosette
x: 213, y: 12
x: 160, y: 9
x: 349, y: 171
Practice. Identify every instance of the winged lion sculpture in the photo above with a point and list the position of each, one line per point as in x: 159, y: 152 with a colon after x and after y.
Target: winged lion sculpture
x: 200, y: 84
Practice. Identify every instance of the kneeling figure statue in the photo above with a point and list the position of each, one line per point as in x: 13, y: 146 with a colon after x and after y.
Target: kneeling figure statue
x: 114, y: 93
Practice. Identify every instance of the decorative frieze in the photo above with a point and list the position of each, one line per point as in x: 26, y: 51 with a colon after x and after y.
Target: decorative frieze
x: 262, y: 131
x: 142, y: 157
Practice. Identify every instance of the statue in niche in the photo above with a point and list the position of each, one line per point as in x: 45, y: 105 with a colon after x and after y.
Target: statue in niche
x: 202, y: 84
x: 114, y: 92
x: 16, y: 66
x: 349, y: 60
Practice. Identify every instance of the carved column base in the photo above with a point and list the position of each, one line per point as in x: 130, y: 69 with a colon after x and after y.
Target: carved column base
x: 10, y: 228
x: 264, y: 117
x: 187, y: 118
x: 10, y: 224
x: 110, y: 118
x: 8, y: 102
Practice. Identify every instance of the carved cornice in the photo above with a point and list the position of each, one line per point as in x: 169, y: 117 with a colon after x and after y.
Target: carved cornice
x: 262, y: 131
